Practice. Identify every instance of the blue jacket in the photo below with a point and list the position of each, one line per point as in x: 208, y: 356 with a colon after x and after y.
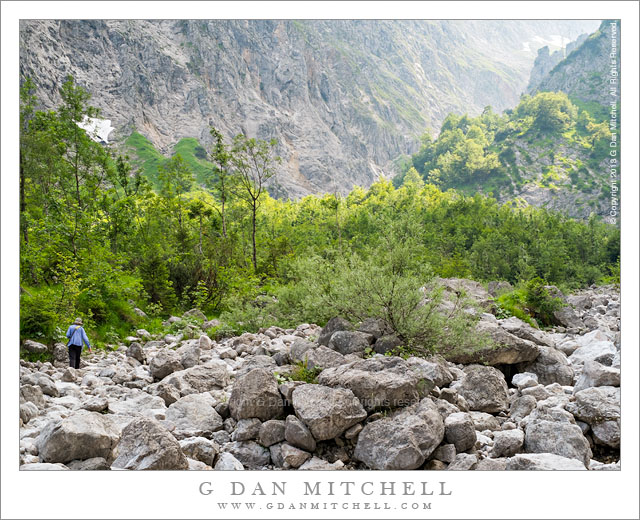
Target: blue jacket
x: 77, y: 336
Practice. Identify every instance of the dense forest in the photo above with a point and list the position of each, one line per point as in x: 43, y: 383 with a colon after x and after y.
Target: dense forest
x: 98, y: 238
x: 550, y: 139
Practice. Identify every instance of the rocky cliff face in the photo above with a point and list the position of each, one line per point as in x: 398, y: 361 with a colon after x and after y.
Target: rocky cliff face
x: 547, y: 60
x: 586, y: 71
x: 343, y: 98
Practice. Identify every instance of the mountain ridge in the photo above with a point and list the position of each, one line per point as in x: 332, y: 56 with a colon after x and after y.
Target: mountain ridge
x: 344, y: 98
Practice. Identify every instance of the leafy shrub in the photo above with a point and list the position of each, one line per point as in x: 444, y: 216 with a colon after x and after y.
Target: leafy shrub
x: 541, y: 302
x: 301, y: 373
x: 514, y: 303
x: 390, y: 281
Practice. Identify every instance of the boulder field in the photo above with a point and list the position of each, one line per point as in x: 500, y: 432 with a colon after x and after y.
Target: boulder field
x: 535, y: 400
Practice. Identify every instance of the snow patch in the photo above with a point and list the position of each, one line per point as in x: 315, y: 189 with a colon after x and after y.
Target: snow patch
x: 97, y: 129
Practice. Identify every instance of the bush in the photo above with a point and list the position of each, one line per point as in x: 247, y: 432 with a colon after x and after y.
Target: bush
x: 388, y: 281
x: 541, y: 302
x: 514, y: 303
x: 301, y: 373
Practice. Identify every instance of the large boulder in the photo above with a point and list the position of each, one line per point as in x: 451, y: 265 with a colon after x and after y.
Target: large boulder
x: 567, y: 317
x: 293, y: 457
x: 484, y: 389
x: 196, y: 314
x: 256, y: 394
x: 34, y: 347
x: 332, y: 326
x: 350, y: 342
x: 227, y: 462
x: 189, y: 354
x: 323, y: 357
x: 403, y: 440
x: 543, y: 462
x: 381, y: 382
x: 202, y: 378
x: 249, y: 453
x: 599, y: 407
x: 82, y: 435
x: 200, y: 448
x: 551, y: 366
x: 271, y: 432
x: 44, y: 381
x: 523, y: 330
x: 298, y: 349
x: 60, y: 355
x: 432, y: 369
x: 327, y: 412
x: 597, y: 374
x: 521, y: 407
x: 168, y: 393
x: 558, y: 437
x: 194, y: 416
x: 376, y: 327
x: 504, y: 349
x: 297, y: 434
x: 507, y: 443
x: 460, y: 431
x: 165, y: 362
x: 145, y: 444
x: 136, y: 351
x: 33, y: 394
x: 600, y: 351
x: 136, y: 403
x: 454, y: 287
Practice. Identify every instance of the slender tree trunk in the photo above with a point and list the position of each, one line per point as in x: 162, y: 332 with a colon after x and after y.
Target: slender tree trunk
x: 224, y: 222
x: 23, y: 202
x: 253, y: 235
x: 76, y: 170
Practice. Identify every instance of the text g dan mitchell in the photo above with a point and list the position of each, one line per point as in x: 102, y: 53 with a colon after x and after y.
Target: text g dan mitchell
x: 328, y: 489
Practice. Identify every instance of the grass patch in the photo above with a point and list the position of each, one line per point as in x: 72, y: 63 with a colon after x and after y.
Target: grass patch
x: 195, y: 156
x: 145, y: 157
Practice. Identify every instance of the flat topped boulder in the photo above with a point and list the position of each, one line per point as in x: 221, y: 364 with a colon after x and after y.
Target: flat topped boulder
x: 200, y: 378
x: 381, y: 382
x: 194, y: 415
x: 327, y: 412
x: 83, y: 435
x: 403, y: 440
x: 504, y: 348
x: 523, y: 330
x: 543, y: 462
x: 256, y: 394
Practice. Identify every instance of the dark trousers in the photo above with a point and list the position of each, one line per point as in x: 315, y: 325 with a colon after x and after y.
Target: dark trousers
x: 74, y: 355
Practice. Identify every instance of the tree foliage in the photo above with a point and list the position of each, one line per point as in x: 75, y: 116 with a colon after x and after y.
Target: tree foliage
x: 95, y: 237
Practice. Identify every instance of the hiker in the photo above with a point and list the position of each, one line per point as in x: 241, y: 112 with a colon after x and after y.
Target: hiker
x: 77, y: 336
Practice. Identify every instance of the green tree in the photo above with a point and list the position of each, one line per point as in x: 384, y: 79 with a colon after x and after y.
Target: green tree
x: 254, y: 163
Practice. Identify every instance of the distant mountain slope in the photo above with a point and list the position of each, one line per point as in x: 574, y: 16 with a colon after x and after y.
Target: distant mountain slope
x: 584, y: 74
x: 343, y: 98
x: 547, y: 60
x: 552, y: 150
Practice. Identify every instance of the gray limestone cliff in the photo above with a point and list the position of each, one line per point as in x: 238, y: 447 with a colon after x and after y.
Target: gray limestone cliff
x: 344, y: 98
